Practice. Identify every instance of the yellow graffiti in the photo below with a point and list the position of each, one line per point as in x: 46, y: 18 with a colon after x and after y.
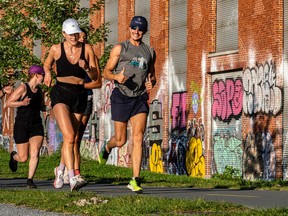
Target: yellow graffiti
x: 195, y: 163
x: 155, y: 159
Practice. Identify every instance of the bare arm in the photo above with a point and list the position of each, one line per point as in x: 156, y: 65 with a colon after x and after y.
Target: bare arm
x: 48, y: 65
x: 95, y: 83
x: 13, y: 100
x: 91, y: 68
x: 111, y: 64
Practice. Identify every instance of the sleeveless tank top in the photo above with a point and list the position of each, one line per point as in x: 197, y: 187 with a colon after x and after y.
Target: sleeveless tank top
x: 136, y: 60
x: 32, y: 110
x: 65, y: 68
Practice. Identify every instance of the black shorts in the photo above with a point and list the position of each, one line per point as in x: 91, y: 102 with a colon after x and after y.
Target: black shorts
x: 74, y: 96
x: 124, y: 107
x: 88, y: 110
x: 24, y: 130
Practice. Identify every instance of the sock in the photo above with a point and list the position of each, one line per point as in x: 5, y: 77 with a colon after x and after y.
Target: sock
x: 61, y: 166
x: 77, y: 172
x: 71, y: 173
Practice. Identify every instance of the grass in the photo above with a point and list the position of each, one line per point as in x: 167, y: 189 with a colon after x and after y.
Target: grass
x: 88, y: 203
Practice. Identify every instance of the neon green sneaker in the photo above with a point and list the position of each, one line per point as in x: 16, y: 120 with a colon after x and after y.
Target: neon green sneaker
x: 134, y: 186
x: 103, y: 156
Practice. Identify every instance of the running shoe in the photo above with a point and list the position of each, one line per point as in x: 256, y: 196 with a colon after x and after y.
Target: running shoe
x: 31, y: 184
x: 81, y: 181
x: 133, y: 185
x: 103, y: 156
x: 75, y: 184
x: 13, y: 164
x: 59, y: 181
x: 66, y: 177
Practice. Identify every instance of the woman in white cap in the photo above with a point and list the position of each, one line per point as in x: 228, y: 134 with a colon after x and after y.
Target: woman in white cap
x: 74, y: 60
x: 28, y: 128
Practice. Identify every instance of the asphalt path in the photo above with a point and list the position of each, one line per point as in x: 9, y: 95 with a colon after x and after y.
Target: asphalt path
x: 251, y: 198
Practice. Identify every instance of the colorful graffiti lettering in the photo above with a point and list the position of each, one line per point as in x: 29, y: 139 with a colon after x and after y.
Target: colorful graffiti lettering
x: 227, y: 99
x: 179, y: 111
x: 260, y: 91
x: 155, y: 159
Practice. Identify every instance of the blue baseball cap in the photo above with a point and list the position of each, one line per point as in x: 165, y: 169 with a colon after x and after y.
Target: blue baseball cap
x: 140, y: 22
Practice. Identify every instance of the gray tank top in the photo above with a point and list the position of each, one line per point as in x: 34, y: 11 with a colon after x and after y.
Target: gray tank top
x: 136, y: 60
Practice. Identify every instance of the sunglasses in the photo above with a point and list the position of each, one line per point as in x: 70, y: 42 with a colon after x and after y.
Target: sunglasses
x: 136, y: 28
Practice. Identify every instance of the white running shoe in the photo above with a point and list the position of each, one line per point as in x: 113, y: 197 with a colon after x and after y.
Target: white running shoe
x: 66, y: 177
x: 73, y: 183
x: 81, y: 181
x: 58, y: 182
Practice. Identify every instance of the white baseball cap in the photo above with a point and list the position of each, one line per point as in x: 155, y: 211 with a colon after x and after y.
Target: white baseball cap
x: 71, y: 26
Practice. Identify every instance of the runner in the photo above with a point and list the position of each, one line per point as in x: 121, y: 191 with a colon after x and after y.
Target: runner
x: 28, y: 129
x: 133, y: 63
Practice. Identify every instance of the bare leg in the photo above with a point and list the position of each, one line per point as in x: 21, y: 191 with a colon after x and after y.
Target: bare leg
x: 22, y: 152
x: 138, y: 123
x: 35, y: 145
x: 68, y: 125
x: 79, y: 135
x: 120, y: 137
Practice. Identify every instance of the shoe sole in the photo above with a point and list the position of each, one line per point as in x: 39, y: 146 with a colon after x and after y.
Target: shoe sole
x: 131, y: 188
x: 55, y: 173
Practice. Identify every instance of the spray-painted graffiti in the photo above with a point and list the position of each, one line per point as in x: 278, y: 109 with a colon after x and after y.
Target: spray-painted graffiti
x: 155, y: 160
x: 227, y: 151
x: 227, y: 122
x: 227, y: 99
x: 179, y: 111
x: 261, y: 94
x: 88, y: 148
x: 176, y: 155
x: 195, y: 161
x: 5, y: 141
x: 123, y: 156
x: 108, y: 88
x: 195, y: 100
x: 259, y: 157
x: 152, y: 157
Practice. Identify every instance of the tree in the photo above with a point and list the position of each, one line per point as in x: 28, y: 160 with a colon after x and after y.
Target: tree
x: 24, y: 22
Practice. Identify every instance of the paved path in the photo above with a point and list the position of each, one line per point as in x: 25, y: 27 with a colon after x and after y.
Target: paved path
x: 249, y: 198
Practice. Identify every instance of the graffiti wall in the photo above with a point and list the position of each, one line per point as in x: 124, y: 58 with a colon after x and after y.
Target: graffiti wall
x: 262, y: 101
x: 227, y: 103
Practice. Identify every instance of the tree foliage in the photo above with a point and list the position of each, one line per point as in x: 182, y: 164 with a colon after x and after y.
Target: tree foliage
x: 25, y: 22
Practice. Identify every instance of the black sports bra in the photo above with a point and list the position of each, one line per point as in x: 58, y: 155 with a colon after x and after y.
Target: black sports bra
x: 65, y: 68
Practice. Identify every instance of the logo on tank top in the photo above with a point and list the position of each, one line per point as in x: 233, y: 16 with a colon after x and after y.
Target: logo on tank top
x: 139, y: 62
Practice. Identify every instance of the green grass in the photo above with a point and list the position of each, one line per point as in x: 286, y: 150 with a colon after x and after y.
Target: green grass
x: 66, y: 202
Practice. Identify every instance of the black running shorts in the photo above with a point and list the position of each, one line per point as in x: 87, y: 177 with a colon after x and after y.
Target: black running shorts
x: 124, y: 107
x: 74, y: 96
x: 88, y: 110
x: 24, y: 130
